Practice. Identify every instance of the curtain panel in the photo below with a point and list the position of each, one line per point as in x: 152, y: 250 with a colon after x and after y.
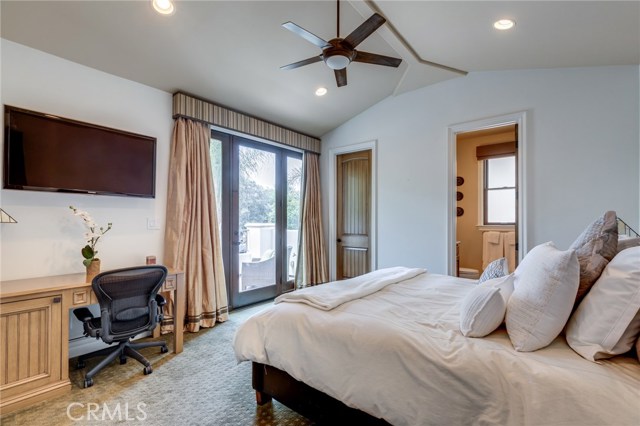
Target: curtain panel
x: 192, y: 240
x: 312, y: 266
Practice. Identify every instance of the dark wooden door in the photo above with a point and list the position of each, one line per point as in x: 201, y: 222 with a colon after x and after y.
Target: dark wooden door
x: 353, y: 214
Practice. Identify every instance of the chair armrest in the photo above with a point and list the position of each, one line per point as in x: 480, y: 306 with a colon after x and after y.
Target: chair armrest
x: 92, y: 326
x: 83, y: 314
x: 160, y: 300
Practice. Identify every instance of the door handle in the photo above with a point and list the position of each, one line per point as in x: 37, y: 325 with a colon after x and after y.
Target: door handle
x: 339, y: 240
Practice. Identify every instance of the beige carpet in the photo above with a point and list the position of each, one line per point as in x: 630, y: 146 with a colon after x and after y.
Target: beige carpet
x: 201, y: 386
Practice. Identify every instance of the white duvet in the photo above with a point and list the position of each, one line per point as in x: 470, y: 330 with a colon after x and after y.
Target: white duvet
x: 398, y: 354
x: 332, y: 295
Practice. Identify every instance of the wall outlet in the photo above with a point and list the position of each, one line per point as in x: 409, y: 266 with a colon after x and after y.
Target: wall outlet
x: 152, y: 224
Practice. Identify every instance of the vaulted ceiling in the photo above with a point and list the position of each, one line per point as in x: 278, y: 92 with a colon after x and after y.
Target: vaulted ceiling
x: 230, y: 52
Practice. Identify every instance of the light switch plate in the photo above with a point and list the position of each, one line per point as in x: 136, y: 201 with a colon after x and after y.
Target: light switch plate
x: 152, y: 224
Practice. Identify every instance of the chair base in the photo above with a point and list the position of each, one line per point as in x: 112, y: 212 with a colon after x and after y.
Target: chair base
x: 123, y: 350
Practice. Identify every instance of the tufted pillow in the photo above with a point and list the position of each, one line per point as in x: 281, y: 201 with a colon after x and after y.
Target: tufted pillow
x: 482, y: 309
x: 607, y: 322
x: 544, y: 292
x: 595, y: 247
x: 496, y: 269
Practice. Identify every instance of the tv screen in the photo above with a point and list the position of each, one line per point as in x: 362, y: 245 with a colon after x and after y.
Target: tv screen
x: 43, y: 152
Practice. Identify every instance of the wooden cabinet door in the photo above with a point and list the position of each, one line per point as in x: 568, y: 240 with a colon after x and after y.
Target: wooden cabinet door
x: 353, y: 211
x: 30, y: 346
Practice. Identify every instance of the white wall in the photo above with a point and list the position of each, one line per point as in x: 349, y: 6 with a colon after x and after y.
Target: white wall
x: 47, y: 238
x: 582, y: 154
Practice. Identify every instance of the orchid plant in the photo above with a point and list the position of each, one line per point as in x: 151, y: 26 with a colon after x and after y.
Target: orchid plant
x: 92, y: 236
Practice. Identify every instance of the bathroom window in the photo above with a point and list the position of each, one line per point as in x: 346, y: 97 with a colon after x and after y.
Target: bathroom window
x: 499, y: 195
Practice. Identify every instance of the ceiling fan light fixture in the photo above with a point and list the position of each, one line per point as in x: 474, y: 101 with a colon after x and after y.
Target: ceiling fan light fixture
x: 163, y: 7
x: 504, y: 24
x: 337, y: 62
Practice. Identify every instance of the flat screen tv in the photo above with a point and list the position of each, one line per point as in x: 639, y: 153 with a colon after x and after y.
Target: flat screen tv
x: 43, y: 152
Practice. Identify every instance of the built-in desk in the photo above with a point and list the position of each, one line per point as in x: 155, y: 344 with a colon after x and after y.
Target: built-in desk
x: 34, y: 334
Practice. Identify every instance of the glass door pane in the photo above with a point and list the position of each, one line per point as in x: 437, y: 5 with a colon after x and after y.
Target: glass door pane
x: 256, y: 244
x: 215, y: 152
x: 293, y: 200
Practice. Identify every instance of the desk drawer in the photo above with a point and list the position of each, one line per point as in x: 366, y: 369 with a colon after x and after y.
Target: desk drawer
x: 169, y: 284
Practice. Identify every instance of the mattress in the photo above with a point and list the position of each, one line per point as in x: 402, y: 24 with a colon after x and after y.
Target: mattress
x: 398, y: 354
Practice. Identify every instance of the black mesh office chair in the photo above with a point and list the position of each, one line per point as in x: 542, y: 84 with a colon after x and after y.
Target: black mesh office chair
x: 129, y: 305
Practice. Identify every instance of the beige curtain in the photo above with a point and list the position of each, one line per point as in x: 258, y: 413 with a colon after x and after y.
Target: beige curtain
x: 192, y: 240
x: 312, y: 262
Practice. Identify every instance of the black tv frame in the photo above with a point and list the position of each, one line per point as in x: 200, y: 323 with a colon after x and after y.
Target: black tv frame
x: 7, y: 123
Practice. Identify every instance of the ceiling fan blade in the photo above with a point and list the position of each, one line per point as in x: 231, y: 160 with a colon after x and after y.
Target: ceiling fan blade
x: 373, y: 58
x: 365, y: 30
x: 341, y: 77
x: 302, y: 63
x: 306, y: 35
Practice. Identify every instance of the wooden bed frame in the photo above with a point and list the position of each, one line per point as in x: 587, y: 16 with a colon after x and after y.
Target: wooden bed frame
x: 270, y: 382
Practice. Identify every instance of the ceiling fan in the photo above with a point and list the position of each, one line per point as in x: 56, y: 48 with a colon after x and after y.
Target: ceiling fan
x: 339, y: 52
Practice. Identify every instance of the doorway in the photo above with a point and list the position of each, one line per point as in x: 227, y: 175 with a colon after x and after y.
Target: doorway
x: 486, y: 198
x: 486, y: 213
x: 258, y: 189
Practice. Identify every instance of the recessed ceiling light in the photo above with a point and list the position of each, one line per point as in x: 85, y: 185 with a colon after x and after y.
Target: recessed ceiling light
x: 163, y: 7
x: 504, y: 24
x: 321, y: 91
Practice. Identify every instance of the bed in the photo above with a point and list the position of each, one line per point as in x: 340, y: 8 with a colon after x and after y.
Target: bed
x: 398, y: 355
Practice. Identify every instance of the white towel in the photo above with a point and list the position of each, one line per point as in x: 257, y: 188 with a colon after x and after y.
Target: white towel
x: 510, y: 250
x: 492, y: 247
x: 333, y: 294
x: 493, y: 237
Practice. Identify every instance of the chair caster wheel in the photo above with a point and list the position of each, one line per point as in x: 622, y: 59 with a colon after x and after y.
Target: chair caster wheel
x: 123, y: 361
x: 147, y: 370
x: 88, y: 383
x: 164, y: 349
x: 80, y: 365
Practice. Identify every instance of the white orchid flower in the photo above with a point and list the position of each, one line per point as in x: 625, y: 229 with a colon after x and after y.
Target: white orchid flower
x: 92, y: 236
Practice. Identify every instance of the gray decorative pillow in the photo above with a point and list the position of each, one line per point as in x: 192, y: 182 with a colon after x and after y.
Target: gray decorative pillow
x: 496, y: 269
x: 595, y: 247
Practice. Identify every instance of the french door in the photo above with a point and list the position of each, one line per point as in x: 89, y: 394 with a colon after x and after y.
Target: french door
x: 258, y: 187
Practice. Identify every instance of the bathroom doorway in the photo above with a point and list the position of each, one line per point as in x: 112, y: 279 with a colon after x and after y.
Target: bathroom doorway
x: 486, y: 208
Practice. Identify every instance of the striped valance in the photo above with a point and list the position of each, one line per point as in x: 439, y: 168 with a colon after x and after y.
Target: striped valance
x: 198, y: 109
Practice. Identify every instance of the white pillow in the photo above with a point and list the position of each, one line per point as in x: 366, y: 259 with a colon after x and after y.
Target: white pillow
x: 482, y: 309
x: 545, y: 287
x: 607, y: 322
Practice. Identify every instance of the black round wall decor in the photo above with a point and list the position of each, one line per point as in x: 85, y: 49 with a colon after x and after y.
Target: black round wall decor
x: 459, y: 195
x: 459, y: 211
x: 459, y: 180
